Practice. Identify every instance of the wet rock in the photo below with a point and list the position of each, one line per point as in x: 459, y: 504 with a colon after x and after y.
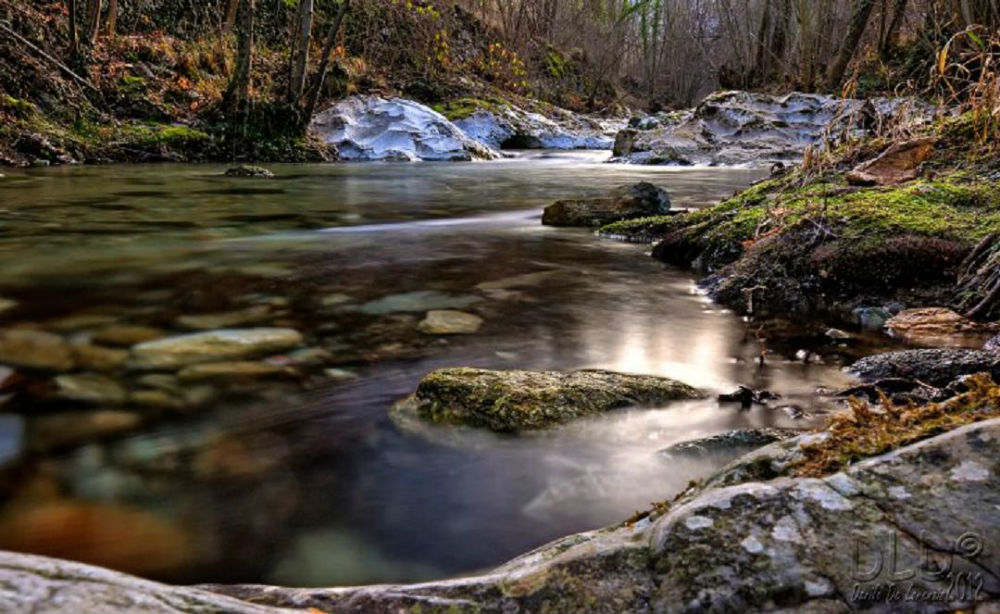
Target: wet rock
x: 449, y: 322
x: 899, y: 162
x: 374, y: 128
x: 335, y: 300
x: 213, y: 346
x: 730, y: 442
x: 838, y: 335
x: 624, y: 142
x: 741, y: 127
x: 66, y: 429
x: 518, y: 281
x: 127, y: 335
x: 936, y: 367
x: 247, y: 170
x: 626, y: 202
x: 6, y: 305
x: 231, y: 370
x: 938, y: 327
x: 889, y: 387
x: 35, y: 349
x: 747, y: 396
x: 510, y: 127
x: 421, y: 300
x: 507, y: 401
x: 99, y: 358
x: 89, y: 388
x: 229, y: 319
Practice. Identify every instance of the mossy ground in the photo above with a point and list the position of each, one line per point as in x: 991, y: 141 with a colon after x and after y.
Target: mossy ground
x: 809, y: 239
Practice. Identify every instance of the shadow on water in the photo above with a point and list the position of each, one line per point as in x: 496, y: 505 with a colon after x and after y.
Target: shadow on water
x: 306, y: 480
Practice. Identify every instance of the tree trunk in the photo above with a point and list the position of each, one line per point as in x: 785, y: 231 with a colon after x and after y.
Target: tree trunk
x: 762, y: 60
x: 300, y: 62
x: 74, y: 39
x: 230, y: 16
x: 238, y: 91
x: 93, y: 21
x: 324, y: 64
x: 779, y: 40
x: 856, y: 27
x: 112, y: 22
x: 898, y: 10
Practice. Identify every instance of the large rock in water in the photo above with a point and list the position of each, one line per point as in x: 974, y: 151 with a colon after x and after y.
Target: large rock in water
x: 735, y: 545
x: 626, y: 202
x: 374, y: 128
x: 508, y: 401
x: 737, y: 127
x: 509, y: 127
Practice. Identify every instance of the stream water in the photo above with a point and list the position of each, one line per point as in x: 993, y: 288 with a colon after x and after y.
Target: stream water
x: 305, y: 480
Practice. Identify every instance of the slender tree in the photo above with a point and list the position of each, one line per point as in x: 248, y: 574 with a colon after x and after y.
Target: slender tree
x: 316, y: 89
x: 111, y: 25
x: 300, y: 52
x: 93, y: 21
x: 237, y: 93
x: 860, y: 14
x: 74, y: 39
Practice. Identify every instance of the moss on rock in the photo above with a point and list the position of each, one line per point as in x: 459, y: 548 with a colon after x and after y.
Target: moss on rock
x: 510, y: 401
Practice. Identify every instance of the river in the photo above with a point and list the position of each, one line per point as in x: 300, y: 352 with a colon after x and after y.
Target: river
x: 305, y: 480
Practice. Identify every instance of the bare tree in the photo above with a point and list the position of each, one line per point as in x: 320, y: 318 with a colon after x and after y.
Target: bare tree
x: 238, y: 91
x: 300, y: 51
x: 74, y: 39
x: 111, y: 25
x: 860, y: 13
x: 93, y: 20
x: 312, y: 98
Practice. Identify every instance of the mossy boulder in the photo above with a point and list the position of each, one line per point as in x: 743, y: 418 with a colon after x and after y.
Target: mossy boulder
x: 625, y: 202
x: 245, y: 170
x: 511, y: 401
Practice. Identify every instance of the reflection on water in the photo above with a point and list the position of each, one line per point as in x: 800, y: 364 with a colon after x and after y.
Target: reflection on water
x: 301, y: 478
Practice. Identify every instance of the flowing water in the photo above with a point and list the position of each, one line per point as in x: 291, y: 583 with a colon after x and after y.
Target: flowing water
x: 305, y: 480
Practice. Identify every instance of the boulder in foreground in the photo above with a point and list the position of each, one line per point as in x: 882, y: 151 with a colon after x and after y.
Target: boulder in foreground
x: 626, y: 202
x: 510, y: 401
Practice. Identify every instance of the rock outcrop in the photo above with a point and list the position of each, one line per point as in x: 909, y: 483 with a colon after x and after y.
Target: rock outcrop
x: 374, y: 128
x: 935, y: 367
x: 741, y: 127
x: 736, y: 544
x: 626, y: 202
x: 510, y: 401
x: 510, y: 127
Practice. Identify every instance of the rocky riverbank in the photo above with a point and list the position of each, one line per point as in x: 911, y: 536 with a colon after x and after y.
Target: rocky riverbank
x: 766, y: 512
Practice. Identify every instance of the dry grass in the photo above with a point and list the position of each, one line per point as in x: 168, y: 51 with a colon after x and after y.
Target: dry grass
x: 870, y: 430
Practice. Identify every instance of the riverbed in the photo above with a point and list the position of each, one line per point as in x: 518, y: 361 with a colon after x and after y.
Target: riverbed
x: 303, y: 479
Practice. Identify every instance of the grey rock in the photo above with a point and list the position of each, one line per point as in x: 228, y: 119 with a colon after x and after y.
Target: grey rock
x: 871, y: 318
x: 420, y: 300
x: 508, y: 126
x: 730, y: 442
x: 937, y: 367
x: 213, y: 346
x: 229, y: 319
x: 374, y: 128
x: 49, y: 586
x: 993, y: 345
x: 449, y: 322
x: 737, y: 127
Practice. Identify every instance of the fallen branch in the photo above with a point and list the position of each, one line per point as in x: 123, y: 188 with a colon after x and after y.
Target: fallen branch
x: 66, y: 69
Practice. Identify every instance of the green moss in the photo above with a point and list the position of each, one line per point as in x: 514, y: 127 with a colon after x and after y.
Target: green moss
x: 556, y: 63
x: 463, y: 108
x: 151, y: 135
x: 17, y: 107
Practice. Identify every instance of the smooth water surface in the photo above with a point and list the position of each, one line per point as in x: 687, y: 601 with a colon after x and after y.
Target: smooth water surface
x: 305, y: 480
